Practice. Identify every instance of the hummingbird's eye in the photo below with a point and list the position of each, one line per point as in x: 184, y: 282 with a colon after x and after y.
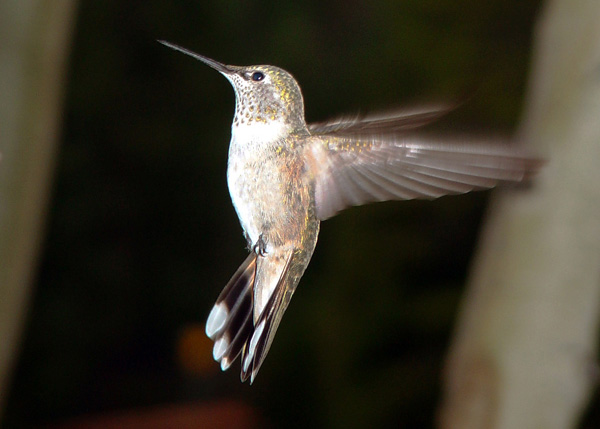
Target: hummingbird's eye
x: 257, y: 76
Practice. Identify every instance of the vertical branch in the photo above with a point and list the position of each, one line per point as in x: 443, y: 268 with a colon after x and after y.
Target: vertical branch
x: 33, y: 49
x: 524, y: 350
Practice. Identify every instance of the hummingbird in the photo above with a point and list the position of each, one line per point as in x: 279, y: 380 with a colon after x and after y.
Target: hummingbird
x: 286, y: 176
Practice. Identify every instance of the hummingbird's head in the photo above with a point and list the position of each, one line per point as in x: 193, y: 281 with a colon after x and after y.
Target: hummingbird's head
x: 265, y: 95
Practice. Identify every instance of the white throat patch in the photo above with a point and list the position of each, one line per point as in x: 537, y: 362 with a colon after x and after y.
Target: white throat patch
x: 258, y: 132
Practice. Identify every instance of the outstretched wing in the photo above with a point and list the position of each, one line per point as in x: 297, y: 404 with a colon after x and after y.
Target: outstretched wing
x: 354, y: 170
x: 388, y: 122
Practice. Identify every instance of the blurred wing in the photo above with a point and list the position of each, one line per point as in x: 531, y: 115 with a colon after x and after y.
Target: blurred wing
x: 382, y: 123
x: 351, y: 171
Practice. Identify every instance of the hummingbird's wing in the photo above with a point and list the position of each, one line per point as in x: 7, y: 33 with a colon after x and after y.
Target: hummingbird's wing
x: 382, y: 123
x: 354, y: 170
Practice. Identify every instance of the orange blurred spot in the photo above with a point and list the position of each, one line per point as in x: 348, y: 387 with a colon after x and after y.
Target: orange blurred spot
x: 194, y: 351
x: 213, y: 415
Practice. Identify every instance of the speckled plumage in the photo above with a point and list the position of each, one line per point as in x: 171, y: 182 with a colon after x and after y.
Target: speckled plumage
x: 285, y: 176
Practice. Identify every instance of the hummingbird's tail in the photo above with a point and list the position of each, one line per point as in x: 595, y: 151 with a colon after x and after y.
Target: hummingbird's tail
x: 234, y: 323
x: 275, y: 270
x: 230, y: 321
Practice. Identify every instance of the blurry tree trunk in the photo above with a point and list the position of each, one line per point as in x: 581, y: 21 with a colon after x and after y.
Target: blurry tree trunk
x: 525, y: 346
x: 33, y: 49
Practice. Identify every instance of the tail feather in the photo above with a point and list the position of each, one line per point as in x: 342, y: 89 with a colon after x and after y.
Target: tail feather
x: 234, y: 323
x: 230, y: 321
x: 255, y: 351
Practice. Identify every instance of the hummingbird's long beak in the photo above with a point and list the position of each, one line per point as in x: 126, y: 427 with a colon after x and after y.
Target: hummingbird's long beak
x: 209, y: 62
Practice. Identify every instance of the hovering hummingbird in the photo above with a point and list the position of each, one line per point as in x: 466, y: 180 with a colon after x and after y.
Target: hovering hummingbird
x: 285, y: 176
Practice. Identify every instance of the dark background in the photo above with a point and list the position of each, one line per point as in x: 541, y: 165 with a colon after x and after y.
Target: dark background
x: 141, y: 234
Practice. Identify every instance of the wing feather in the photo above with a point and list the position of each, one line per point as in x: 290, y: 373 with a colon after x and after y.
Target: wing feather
x: 355, y: 170
x: 392, y: 121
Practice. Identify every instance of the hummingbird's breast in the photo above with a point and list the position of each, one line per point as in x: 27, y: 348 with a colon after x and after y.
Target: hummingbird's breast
x: 272, y: 193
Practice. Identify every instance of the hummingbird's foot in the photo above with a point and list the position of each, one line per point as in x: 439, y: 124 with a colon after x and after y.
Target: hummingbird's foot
x: 260, y: 248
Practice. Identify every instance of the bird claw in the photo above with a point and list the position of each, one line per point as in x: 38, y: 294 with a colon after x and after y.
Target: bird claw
x: 260, y: 248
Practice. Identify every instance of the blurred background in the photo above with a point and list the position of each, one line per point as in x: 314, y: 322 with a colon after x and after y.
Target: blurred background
x: 140, y: 234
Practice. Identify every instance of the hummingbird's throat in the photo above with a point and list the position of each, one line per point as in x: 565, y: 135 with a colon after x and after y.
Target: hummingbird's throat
x: 259, y: 131
x: 264, y: 121
x: 247, y: 113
